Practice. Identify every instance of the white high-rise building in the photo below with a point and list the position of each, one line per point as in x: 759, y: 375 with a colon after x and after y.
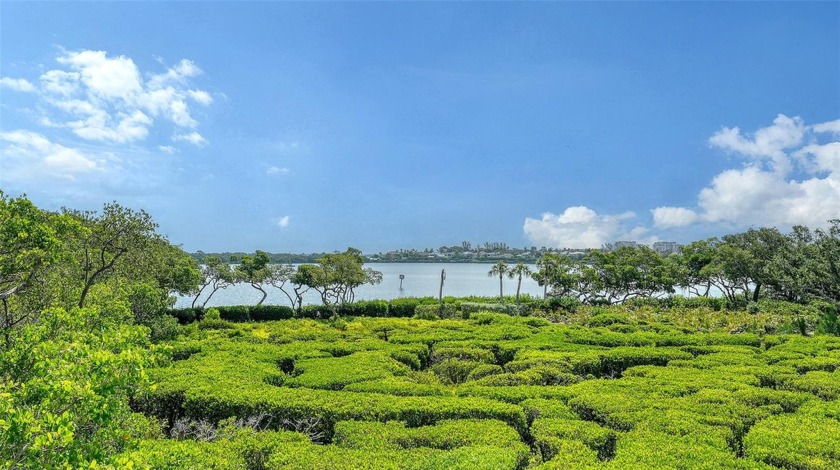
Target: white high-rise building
x: 666, y: 248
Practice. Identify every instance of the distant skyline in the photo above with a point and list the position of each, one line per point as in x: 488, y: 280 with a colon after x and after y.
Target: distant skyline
x: 311, y: 127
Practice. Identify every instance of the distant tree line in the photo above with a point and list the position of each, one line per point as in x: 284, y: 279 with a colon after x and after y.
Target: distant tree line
x: 466, y: 252
x: 800, y: 266
x: 273, y: 258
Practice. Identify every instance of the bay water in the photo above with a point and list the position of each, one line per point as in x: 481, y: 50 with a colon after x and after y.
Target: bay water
x: 421, y: 280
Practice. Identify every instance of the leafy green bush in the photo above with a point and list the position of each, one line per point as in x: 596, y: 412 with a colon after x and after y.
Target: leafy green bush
x: 270, y: 312
x: 210, y: 324
x: 795, y: 441
x: 64, y: 389
x: 331, y: 457
x: 607, y: 319
x: 403, y: 307
x: 334, y: 373
x: 469, y: 308
x: 186, y: 315
x: 235, y: 313
x: 568, y: 454
x: 542, y: 408
x: 825, y: 385
x: 163, y: 328
x: 464, y: 354
x: 446, y: 434
x: 427, y: 311
x: 369, y: 308
x: 552, y: 304
x: 453, y: 371
x: 408, y: 358
x: 484, y: 370
x: 643, y: 449
x: 597, y: 438
x: 314, y: 311
x: 541, y: 375
x: 828, y: 323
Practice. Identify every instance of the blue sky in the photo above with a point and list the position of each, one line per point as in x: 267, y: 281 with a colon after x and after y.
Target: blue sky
x: 317, y: 126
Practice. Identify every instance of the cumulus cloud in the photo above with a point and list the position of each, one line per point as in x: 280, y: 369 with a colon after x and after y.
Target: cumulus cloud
x: 193, y: 137
x: 772, y: 194
x: 276, y: 170
x: 820, y: 158
x: 664, y: 217
x: 108, y: 78
x: 283, y: 221
x: 29, y: 154
x: 768, y: 143
x: 831, y: 126
x: 579, y: 227
x: 17, y: 84
x: 107, y: 99
x: 96, y: 113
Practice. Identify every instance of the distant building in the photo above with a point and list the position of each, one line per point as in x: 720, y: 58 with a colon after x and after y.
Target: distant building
x: 666, y: 248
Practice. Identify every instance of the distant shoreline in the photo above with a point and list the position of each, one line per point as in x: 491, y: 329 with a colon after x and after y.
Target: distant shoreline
x: 520, y: 256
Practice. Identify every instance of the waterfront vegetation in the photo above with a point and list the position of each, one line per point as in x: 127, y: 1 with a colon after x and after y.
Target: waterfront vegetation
x: 606, y: 371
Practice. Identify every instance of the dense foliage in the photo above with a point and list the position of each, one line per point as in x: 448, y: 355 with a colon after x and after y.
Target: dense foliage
x: 602, y: 373
x: 633, y: 386
x: 82, y: 294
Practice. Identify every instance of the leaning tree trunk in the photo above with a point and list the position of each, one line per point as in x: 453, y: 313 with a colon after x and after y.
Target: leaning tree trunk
x: 518, y: 285
x: 264, y: 293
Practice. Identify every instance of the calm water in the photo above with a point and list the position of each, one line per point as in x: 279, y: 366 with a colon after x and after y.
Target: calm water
x: 421, y: 280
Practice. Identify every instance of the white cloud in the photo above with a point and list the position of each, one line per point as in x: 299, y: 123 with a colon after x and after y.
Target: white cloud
x: 820, y: 158
x: 578, y: 227
x: 766, y: 143
x: 60, y: 82
x: 17, y: 84
x: 283, y: 221
x: 180, y: 114
x: 105, y: 98
x: 666, y: 217
x: 830, y: 126
x: 276, y: 170
x: 754, y: 195
x: 175, y: 75
x: 107, y: 78
x: 201, y: 97
x: 100, y: 115
x: 193, y: 137
x: 31, y: 155
x: 130, y: 127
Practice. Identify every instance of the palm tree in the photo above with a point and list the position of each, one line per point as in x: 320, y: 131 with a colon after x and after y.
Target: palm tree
x: 518, y: 271
x: 499, y: 269
x: 547, y: 265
